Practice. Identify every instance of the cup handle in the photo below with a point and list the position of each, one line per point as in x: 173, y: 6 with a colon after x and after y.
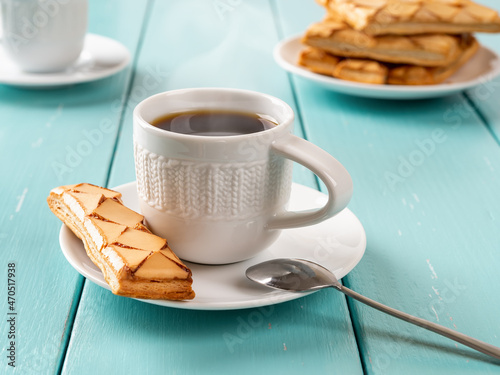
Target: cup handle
x: 327, y: 168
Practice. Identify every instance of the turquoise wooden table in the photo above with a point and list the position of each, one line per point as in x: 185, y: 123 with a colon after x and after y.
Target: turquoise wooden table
x: 432, y: 228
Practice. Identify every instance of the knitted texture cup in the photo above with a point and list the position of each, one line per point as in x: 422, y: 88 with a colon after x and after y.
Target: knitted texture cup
x: 223, y: 199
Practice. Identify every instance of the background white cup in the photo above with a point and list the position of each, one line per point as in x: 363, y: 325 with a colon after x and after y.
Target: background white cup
x: 43, y: 36
x: 222, y: 199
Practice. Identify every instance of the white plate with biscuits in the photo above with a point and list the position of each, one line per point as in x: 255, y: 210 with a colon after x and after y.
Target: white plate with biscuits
x: 337, y: 243
x: 483, y: 67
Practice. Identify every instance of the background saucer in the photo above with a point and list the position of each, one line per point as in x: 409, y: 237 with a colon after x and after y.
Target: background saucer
x: 101, y: 57
x: 481, y: 68
x: 338, y: 244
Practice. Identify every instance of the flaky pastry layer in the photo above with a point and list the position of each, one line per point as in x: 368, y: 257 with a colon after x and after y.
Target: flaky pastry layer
x: 374, y: 72
x: 340, y: 39
x: 380, y: 17
x: 134, y: 262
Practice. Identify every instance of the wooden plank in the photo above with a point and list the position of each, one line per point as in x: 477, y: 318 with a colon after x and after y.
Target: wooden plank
x: 197, y: 46
x: 426, y: 191
x: 50, y: 138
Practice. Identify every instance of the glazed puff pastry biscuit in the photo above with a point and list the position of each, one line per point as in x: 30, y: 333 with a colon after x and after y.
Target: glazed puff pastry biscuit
x: 367, y: 71
x: 318, y: 61
x: 134, y: 262
x: 380, y: 17
x: 426, y: 50
x: 370, y: 71
x: 418, y: 75
x: 358, y: 70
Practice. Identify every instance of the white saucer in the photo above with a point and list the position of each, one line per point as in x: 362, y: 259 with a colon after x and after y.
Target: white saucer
x: 101, y: 57
x: 338, y: 244
x: 481, y: 68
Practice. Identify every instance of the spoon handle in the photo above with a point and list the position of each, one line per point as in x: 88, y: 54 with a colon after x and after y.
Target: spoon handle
x: 471, y: 342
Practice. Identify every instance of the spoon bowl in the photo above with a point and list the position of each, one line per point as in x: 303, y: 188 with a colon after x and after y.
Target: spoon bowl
x: 293, y: 275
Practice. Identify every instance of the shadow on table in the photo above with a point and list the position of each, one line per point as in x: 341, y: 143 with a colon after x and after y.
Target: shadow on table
x: 441, y: 349
x: 78, y: 95
x: 310, y: 332
x: 311, y: 325
x: 449, y: 111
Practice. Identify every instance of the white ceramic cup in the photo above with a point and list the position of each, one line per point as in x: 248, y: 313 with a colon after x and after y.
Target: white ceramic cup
x: 44, y: 36
x: 223, y: 199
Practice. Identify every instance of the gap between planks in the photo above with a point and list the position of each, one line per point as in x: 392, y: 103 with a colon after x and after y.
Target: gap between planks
x: 68, y: 329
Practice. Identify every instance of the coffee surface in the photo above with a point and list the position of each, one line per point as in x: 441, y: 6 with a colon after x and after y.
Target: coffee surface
x: 214, y: 123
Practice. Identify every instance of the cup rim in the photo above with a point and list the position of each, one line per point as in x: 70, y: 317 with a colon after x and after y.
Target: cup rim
x: 139, y: 119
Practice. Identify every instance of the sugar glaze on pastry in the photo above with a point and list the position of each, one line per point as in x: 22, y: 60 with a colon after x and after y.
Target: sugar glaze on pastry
x: 134, y: 262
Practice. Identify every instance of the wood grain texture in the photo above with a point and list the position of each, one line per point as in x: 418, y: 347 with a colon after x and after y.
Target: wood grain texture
x: 194, y: 46
x: 50, y: 138
x: 426, y: 189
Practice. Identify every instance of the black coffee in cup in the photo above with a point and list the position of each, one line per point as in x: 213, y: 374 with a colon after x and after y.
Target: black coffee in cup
x: 214, y: 122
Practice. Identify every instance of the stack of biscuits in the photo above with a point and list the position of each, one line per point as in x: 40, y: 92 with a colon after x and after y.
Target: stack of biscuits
x: 399, y: 42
